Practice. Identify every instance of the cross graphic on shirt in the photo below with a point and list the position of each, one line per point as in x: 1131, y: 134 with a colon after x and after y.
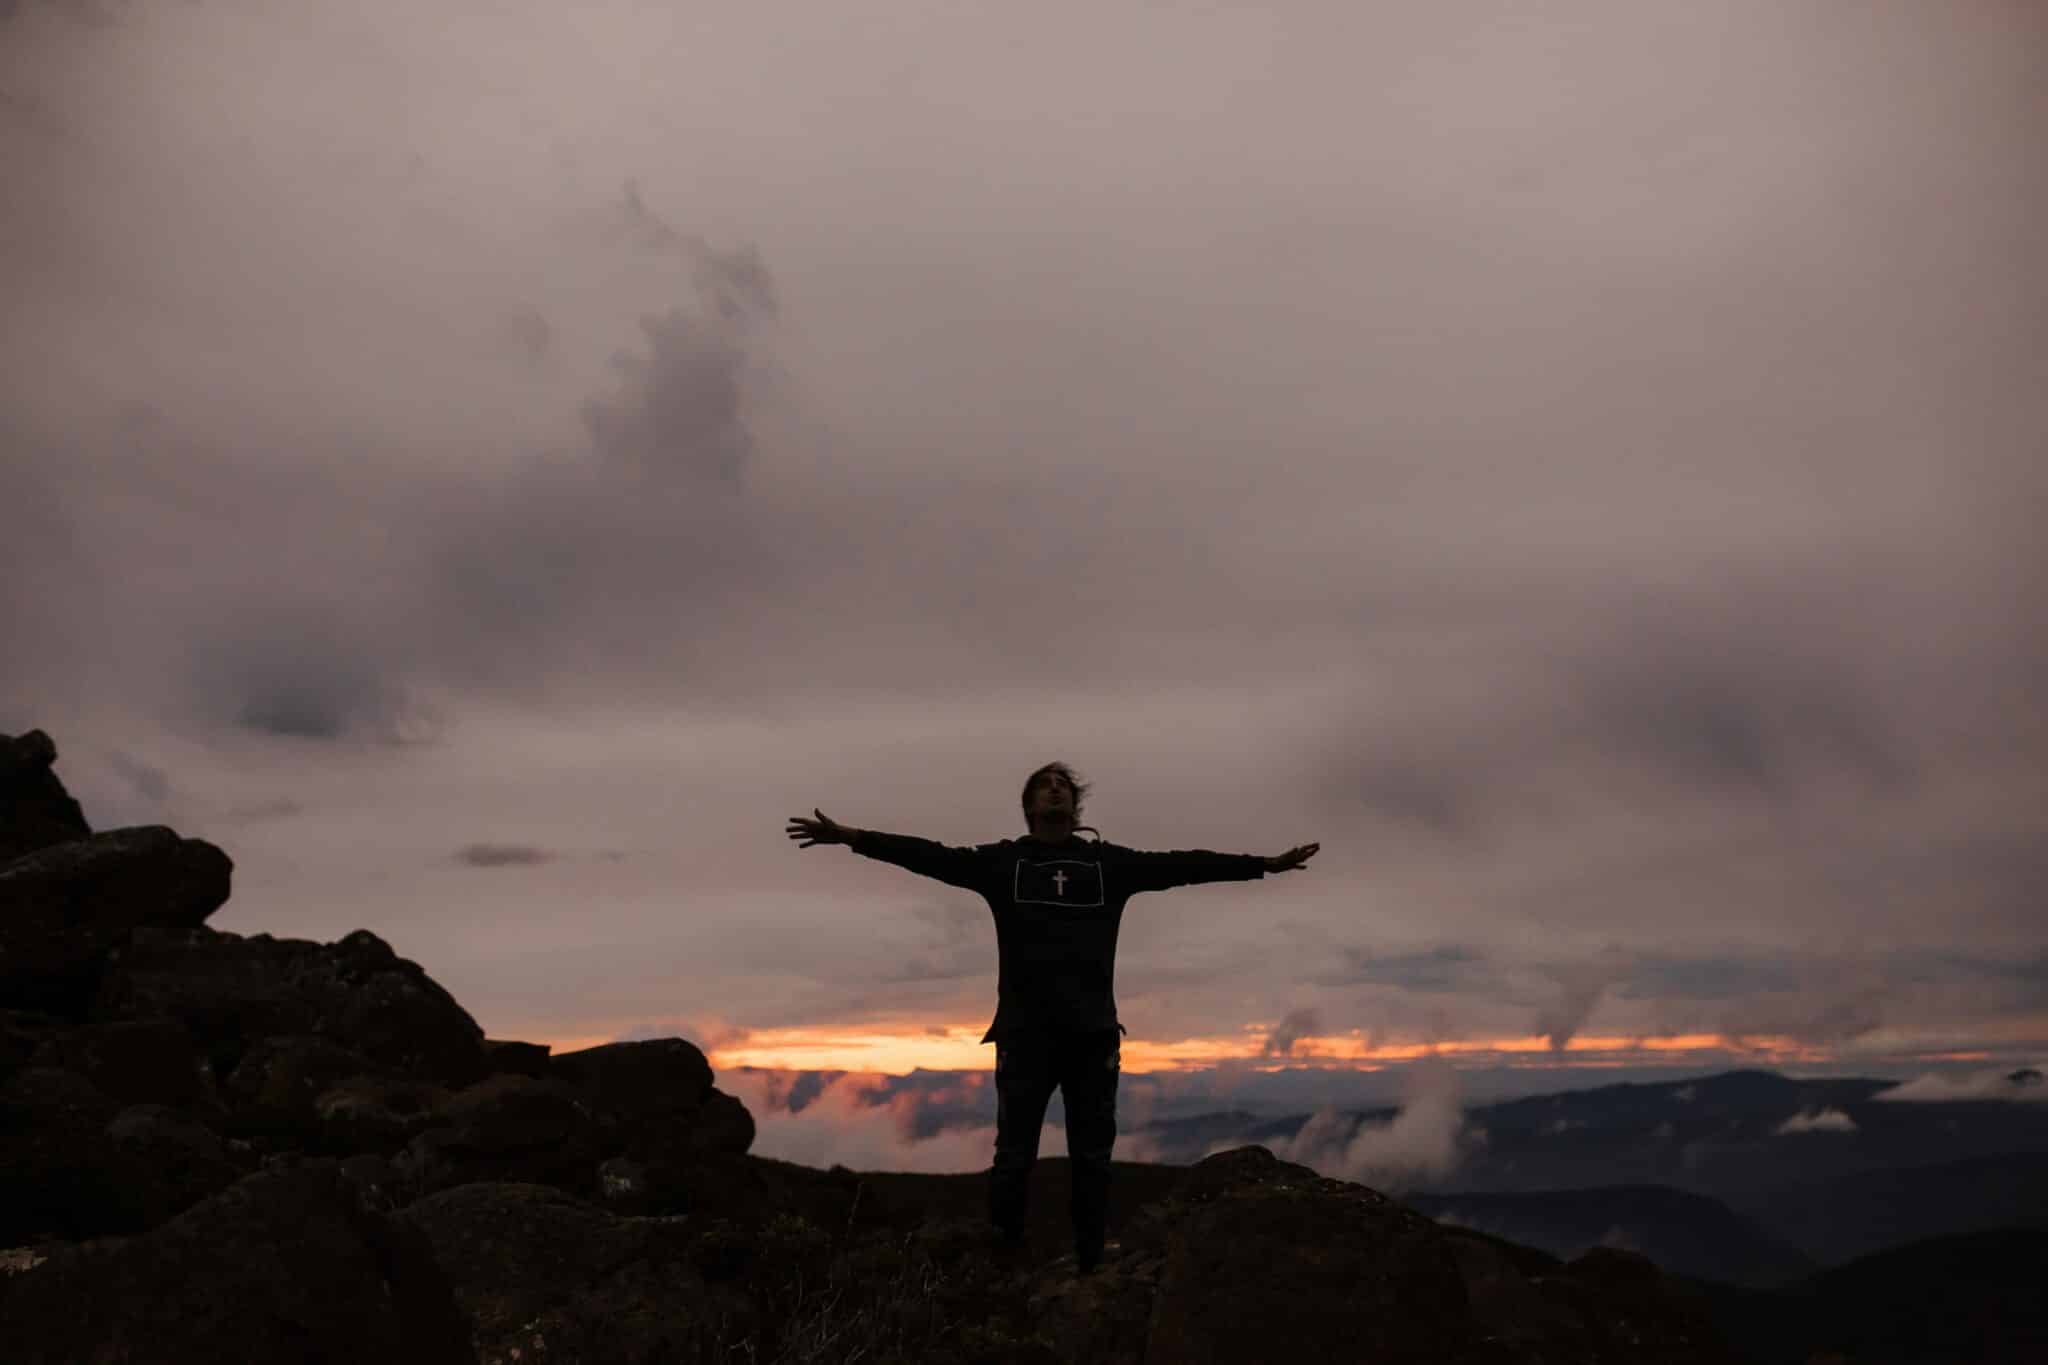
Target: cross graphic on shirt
x: 1059, y: 883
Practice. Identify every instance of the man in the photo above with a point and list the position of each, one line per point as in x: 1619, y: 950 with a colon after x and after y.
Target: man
x: 1057, y: 901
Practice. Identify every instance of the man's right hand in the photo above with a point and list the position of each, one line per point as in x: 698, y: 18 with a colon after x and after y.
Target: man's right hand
x: 823, y: 830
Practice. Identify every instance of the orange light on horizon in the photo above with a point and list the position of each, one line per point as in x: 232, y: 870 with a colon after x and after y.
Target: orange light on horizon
x: 882, y: 1051
x: 893, y: 1054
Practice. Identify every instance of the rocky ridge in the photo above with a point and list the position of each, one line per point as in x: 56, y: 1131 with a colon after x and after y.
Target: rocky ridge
x: 217, y: 1146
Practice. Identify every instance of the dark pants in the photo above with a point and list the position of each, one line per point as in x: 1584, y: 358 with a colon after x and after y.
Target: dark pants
x: 1084, y: 1067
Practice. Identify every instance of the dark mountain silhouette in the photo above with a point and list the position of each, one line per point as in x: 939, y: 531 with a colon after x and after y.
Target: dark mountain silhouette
x: 1686, y: 1234
x: 1974, y: 1297
x: 1721, y: 1135
x: 1854, y: 1215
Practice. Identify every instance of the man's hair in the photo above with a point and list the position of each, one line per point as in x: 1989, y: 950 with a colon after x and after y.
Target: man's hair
x: 1065, y: 774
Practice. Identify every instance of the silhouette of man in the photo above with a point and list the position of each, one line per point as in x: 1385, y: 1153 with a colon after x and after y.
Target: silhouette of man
x: 1057, y: 901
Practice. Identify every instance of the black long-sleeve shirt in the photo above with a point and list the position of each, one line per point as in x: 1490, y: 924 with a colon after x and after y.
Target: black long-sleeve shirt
x: 1057, y: 907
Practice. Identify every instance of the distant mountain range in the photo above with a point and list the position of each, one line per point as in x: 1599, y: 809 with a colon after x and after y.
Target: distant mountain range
x: 1747, y: 1177
x: 1974, y: 1297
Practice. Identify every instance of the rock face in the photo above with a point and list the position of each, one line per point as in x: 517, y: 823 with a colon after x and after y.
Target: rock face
x: 1271, y: 1257
x: 35, y: 810
x: 64, y: 907
x: 225, y: 1147
x: 286, y: 1265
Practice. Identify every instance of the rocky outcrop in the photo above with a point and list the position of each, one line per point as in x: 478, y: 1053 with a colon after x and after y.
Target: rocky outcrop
x: 65, y: 906
x: 288, y: 1265
x: 233, y: 992
x: 35, y: 810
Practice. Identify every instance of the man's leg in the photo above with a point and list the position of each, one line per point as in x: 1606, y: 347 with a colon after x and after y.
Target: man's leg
x: 1091, y: 1066
x: 1024, y: 1083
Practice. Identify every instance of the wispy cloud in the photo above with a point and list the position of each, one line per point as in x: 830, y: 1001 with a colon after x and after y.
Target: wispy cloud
x: 2021, y: 1085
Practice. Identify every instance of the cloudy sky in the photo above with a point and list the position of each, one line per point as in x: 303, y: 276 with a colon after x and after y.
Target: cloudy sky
x: 486, y: 466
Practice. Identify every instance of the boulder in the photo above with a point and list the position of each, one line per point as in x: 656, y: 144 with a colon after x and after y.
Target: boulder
x: 738, y: 1189
x: 64, y: 907
x: 1626, y: 1310
x: 629, y: 1081
x: 275, y: 1084
x: 376, y: 1113
x: 720, y: 1124
x: 22, y: 1035
x: 287, y: 1264
x: 75, y: 1163
x: 508, y: 1128
x: 544, y: 1276
x: 171, y: 1161
x: 35, y: 810
x: 1510, y: 1316
x: 232, y: 991
x: 136, y: 1061
x: 57, y: 1164
x: 503, y: 1055
x: 1265, y: 1260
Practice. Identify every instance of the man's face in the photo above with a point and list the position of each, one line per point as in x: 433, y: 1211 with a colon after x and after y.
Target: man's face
x: 1050, y: 793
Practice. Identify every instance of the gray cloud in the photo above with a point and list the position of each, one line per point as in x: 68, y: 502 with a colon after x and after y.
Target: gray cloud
x: 503, y: 855
x: 1741, y: 694
x: 1435, y: 969
x: 301, y: 670
x: 151, y: 783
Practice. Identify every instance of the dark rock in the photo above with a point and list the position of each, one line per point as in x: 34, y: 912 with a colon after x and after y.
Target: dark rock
x: 231, y: 991
x: 545, y: 1276
x: 65, y: 906
x: 22, y: 1035
x: 508, y: 1128
x: 1266, y: 1264
x: 505, y: 1056
x: 58, y: 1167
x: 74, y: 1163
x: 1235, y: 1170
x: 35, y: 810
x: 736, y: 1188
x: 287, y: 1264
x: 274, y: 1086
x: 376, y: 1113
x: 1509, y: 1315
x: 1629, y: 1311
x: 720, y: 1124
x: 173, y: 1161
x: 639, y: 1079
x: 136, y: 1061
x: 511, y: 1113
x: 380, y: 1183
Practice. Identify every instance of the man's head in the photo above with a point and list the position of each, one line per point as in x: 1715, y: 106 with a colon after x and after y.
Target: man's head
x: 1053, y: 794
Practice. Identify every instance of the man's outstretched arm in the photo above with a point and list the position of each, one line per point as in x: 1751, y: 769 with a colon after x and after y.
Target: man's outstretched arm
x: 926, y: 857
x: 1189, y: 866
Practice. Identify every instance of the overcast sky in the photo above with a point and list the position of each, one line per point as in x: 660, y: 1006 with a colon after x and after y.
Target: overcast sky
x: 486, y: 466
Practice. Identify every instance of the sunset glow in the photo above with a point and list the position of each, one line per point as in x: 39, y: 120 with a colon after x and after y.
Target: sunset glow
x: 959, y: 1049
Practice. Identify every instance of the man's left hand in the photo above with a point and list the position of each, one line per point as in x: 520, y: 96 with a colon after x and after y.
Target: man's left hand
x: 1293, y: 858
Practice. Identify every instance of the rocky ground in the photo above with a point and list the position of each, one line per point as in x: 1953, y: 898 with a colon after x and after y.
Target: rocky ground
x: 219, y: 1147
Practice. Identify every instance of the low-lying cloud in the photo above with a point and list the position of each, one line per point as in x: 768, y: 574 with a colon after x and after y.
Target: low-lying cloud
x: 2021, y: 1086
x: 1421, y: 1143
x: 1824, y: 1120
